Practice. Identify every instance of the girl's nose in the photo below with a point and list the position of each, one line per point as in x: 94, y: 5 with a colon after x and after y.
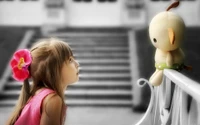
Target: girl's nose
x: 76, y: 63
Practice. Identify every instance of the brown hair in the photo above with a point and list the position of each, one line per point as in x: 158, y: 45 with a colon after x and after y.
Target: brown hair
x: 48, y: 56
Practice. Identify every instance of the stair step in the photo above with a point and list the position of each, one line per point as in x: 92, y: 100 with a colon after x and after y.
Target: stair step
x: 86, y: 83
x: 83, y: 84
x: 93, y: 102
x: 97, y: 46
x: 65, y: 34
x: 93, y: 40
x: 104, y: 68
x: 105, y: 76
x: 115, y: 41
x: 91, y: 43
x: 79, y: 92
x: 89, y: 71
x: 92, y: 29
x: 105, y: 55
x: 100, y: 48
x: 103, y: 61
x: 99, y: 52
x: 100, y: 76
x: 101, y: 57
x: 77, y: 51
x: 80, y: 102
x: 109, y: 71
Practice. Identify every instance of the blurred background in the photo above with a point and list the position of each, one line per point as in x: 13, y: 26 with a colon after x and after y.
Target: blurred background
x: 110, y: 40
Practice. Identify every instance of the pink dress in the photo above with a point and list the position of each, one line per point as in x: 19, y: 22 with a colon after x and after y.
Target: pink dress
x: 30, y: 114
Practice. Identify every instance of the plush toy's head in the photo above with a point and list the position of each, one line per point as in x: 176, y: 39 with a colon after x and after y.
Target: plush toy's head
x: 166, y: 30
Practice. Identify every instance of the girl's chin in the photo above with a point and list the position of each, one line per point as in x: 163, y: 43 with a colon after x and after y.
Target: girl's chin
x: 74, y: 81
x: 77, y: 79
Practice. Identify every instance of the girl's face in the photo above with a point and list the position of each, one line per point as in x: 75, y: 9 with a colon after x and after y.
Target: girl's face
x: 70, y: 71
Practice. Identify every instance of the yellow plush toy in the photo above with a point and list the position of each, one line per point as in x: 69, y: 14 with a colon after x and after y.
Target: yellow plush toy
x: 166, y: 32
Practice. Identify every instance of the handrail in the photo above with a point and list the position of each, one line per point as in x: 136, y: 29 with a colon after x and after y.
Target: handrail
x: 175, y: 102
x: 186, y: 84
x: 145, y: 119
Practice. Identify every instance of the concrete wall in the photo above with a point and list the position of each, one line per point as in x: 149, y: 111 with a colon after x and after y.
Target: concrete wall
x: 22, y: 12
x: 29, y: 13
x: 89, y: 14
x: 94, y: 13
x: 77, y: 14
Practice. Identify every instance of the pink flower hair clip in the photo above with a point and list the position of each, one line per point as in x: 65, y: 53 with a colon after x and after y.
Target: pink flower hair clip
x: 20, y: 62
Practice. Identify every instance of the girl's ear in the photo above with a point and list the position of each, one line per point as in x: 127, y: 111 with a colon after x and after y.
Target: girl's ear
x: 173, y: 5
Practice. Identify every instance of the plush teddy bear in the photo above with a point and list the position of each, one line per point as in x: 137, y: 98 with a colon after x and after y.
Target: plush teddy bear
x: 166, y: 31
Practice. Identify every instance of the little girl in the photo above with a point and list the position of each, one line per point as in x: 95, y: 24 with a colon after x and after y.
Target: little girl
x: 51, y: 67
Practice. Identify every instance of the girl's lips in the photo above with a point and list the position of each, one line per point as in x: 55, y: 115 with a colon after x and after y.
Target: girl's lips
x: 78, y: 70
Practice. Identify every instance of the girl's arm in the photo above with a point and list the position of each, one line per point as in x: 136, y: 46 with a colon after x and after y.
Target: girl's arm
x: 51, y: 110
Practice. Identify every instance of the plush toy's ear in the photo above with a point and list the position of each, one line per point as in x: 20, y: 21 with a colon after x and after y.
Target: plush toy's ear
x: 173, y: 5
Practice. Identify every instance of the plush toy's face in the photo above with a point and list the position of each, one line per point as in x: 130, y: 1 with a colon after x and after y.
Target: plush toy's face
x: 166, y: 31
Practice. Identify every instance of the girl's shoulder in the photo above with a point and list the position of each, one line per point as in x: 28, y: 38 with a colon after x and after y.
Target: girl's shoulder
x: 52, y: 99
x: 52, y: 103
x: 52, y: 108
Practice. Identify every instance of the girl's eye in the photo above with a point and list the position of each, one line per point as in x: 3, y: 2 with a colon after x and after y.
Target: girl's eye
x: 70, y: 60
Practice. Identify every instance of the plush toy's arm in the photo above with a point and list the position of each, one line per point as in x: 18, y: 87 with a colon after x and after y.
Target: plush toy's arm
x: 169, y: 60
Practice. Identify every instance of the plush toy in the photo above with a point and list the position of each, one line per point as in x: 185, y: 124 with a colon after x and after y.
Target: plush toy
x: 166, y: 31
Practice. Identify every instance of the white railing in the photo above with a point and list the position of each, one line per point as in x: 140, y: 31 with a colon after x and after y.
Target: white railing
x: 175, y: 102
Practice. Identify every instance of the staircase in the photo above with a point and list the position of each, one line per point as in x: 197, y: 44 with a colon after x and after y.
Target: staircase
x: 105, y: 78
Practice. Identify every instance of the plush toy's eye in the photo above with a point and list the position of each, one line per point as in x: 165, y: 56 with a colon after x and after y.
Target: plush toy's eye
x: 154, y: 39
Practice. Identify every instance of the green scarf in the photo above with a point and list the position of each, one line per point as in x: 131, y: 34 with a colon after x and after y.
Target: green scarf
x: 175, y: 66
